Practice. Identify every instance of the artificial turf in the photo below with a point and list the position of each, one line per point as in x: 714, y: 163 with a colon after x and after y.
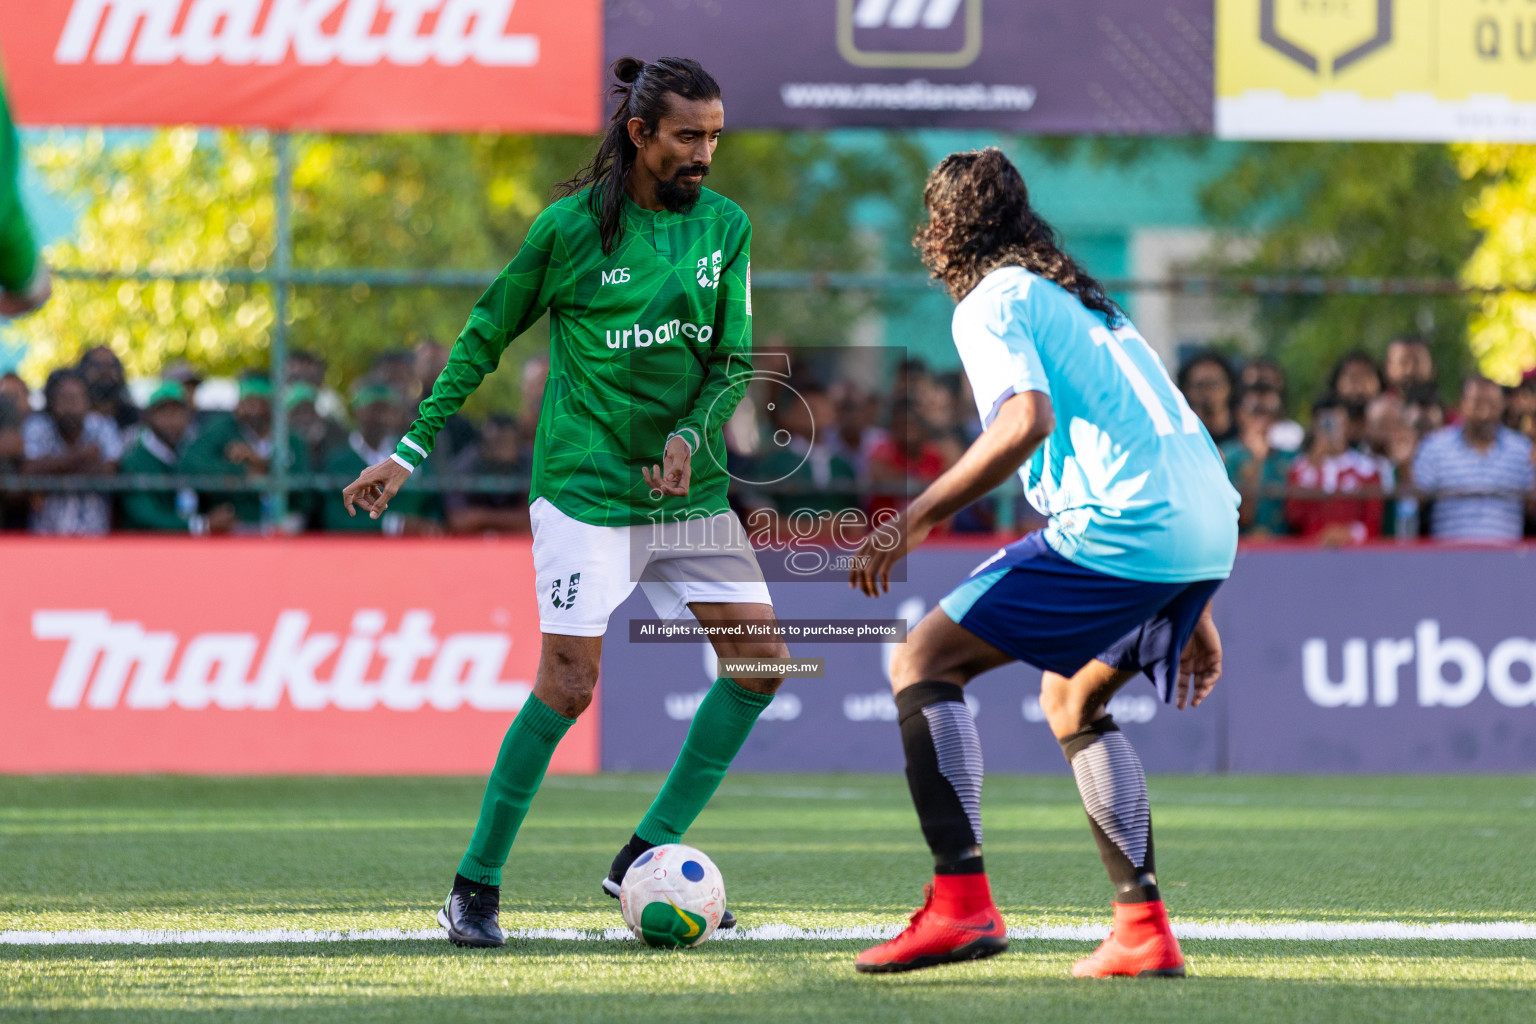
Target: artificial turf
x: 814, y: 851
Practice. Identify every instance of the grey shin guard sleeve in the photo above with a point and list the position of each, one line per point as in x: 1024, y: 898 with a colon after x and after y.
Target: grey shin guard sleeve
x: 1114, y: 791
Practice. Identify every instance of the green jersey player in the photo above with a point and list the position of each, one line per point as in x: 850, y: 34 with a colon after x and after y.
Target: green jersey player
x: 645, y: 276
x: 24, y: 284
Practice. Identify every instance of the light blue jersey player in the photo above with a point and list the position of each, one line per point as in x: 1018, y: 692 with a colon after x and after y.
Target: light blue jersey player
x: 1142, y: 531
x: 1131, y: 481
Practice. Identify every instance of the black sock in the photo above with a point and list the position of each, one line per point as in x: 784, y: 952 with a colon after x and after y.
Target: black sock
x: 465, y: 887
x: 1114, y: 792
x: 944, y: 773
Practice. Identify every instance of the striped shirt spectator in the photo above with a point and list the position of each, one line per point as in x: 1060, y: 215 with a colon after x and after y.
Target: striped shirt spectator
x: 1447, y: 465
x: 1483, y: 460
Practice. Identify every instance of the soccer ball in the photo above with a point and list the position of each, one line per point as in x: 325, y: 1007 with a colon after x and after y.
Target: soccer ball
x: 672, y: 896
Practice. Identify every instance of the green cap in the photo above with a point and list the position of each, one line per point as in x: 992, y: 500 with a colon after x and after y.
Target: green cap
x: 166, y: 391
x: 255, y: 387
x: 370, y: 393
x: 300, y: 392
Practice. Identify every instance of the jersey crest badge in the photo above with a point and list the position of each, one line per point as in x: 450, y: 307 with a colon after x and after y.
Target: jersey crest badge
x: 570, y: 592
x: 709, y: 270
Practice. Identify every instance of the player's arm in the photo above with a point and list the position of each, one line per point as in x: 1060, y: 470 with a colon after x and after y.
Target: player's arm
x: 24, y: 282
x: 513, y: 302
x: 1021, y: 424
x: 724, y: 385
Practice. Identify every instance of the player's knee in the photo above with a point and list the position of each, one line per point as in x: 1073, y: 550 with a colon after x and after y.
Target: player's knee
x: 1062, y: 706
x: 764, y: 650
x: 911, y: 663
x: 568, y: 695
x: 901, y: 668
x: 578, y: 699
x: 567, y: 678
x: 766, y: 687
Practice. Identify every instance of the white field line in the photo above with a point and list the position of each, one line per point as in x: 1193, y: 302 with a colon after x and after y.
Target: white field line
x: 1326, y: 931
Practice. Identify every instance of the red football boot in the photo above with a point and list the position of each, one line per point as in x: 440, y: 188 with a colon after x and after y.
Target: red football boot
x: 956, y: 922
x: 1141, y: 945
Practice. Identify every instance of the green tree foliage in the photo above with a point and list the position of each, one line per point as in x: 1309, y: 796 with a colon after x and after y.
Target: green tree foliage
x: 1350, y: 210
x: 170, y: 202
x: 1503, y: 328
x: 179, y: 200
x: 394, y: 202
x: 824, y: 208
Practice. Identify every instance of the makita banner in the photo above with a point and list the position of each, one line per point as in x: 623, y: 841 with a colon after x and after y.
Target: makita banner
x: 246, y: 656
x: 337, y: 65
x: 369, y: 656
x: 1103, y: 66
x: 1375, y: 660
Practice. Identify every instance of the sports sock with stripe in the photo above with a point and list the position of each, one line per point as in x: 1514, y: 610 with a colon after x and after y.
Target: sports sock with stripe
x: 944, y: 773
x: 520, y: 767
x: 1114, y: 792
x: 720, y: 726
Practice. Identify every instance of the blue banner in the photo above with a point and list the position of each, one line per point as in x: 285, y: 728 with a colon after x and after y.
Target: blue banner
x: 1375, y: 660
x: 1102, y: 66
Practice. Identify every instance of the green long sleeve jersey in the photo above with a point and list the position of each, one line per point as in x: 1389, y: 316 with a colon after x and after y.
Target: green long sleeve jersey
x: 18, y: 249
x: 651, y: 341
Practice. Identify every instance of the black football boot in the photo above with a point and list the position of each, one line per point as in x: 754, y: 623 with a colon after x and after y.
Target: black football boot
x: 470, y: 914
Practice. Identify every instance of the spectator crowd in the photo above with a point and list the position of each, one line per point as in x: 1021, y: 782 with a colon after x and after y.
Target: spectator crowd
x: 90, y: 440
x: 1381, y: 456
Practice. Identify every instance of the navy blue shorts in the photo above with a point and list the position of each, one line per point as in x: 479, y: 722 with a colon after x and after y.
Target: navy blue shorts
x: 1029, y: 602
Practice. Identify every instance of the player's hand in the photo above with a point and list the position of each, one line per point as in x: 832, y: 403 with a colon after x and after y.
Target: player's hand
x: 32, y: 298
x: 372, y: 490
x: 1200, y: 665
x: 675, y: 471
x: 878, y: 555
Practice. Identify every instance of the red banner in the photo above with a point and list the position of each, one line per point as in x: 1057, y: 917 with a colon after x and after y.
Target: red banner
x: 344, y: 656
x: 332, y: 65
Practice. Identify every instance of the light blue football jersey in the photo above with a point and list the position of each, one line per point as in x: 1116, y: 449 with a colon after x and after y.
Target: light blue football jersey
x: 1132, y: 483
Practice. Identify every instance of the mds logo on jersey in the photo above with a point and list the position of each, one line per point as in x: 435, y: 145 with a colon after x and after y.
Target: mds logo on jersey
x: 619, y: 275
x: 709, y: 270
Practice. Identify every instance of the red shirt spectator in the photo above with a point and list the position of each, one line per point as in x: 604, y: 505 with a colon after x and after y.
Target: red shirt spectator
x: 906, y: 455
x: 1334, y: 476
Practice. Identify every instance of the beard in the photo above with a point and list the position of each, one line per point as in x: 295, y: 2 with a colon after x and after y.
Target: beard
x: 678, y: 196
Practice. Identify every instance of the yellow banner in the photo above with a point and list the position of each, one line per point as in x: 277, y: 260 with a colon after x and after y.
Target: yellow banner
x: 1411, y: 69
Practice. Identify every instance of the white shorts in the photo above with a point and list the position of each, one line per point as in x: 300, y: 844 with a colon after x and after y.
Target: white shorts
x: 583, y: 572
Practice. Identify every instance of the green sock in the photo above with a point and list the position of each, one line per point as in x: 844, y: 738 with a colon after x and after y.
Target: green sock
x: 525, y: 754
x: 719, y: 728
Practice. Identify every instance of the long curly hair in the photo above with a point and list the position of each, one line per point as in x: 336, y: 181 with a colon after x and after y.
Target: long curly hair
x: 979, y: 219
